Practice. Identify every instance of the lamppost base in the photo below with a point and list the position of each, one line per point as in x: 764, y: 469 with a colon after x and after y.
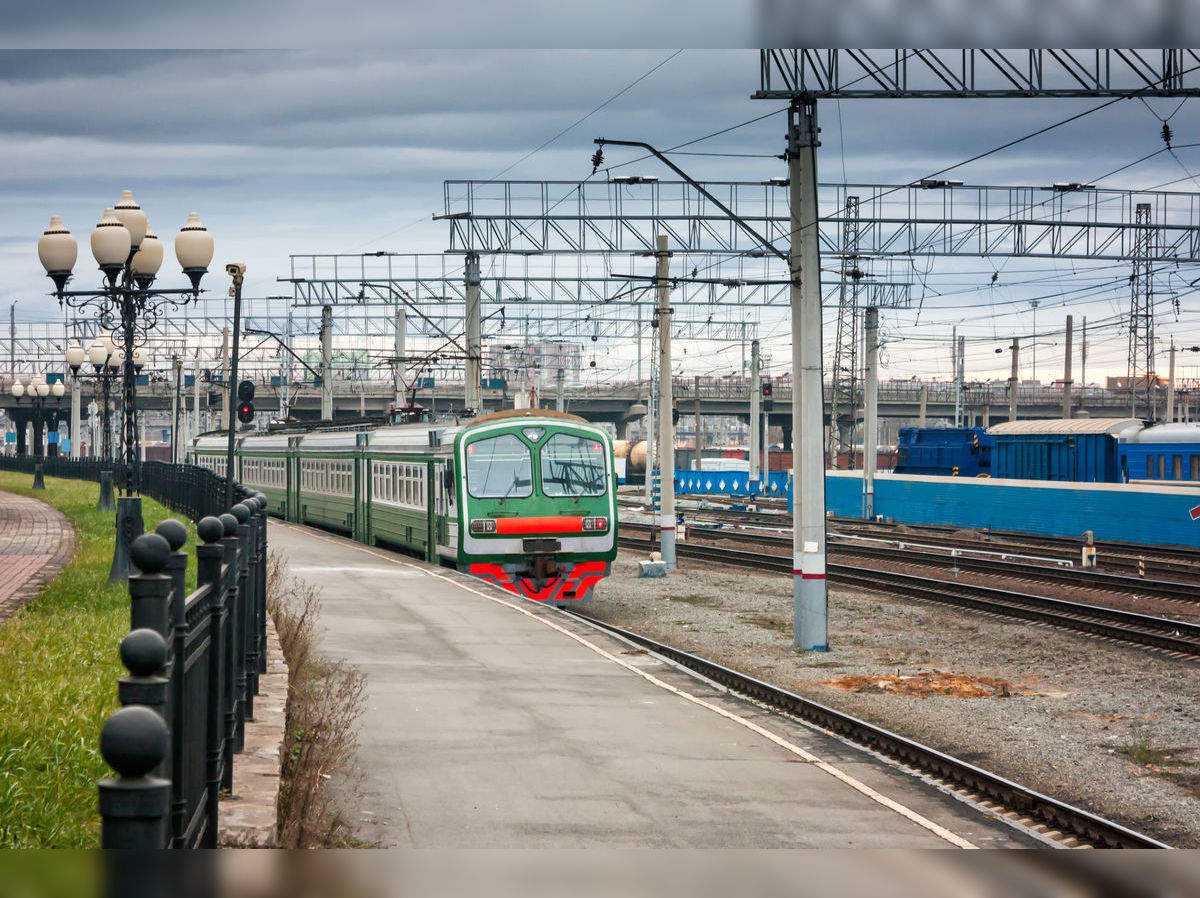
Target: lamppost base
x: 39, y: 481
x: 129, y: 528
x: 106, y: 503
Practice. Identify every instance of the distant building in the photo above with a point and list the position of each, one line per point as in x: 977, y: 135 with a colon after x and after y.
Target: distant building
x: 514, y: 362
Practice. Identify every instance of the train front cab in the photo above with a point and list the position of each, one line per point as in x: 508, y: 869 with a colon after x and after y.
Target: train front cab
x: 536, y: 504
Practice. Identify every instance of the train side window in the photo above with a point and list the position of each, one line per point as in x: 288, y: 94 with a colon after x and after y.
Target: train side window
x: 1195, y: 472
x: 1149, y: 465
x: 1177, y: 467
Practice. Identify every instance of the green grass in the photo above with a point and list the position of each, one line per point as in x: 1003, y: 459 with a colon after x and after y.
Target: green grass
x: 59, y: 666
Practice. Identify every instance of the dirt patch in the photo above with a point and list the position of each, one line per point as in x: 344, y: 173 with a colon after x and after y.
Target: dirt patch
x: 705, y: 601
x: 925, y: 683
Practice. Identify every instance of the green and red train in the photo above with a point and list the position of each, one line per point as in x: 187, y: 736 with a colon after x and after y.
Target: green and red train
x: 525, y: 499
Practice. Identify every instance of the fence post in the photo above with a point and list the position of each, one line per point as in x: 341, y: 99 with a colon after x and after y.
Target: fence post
x: 242, y: 512
x: 134, y: 741
x: 133, y: 805
x: 208, y: 573
x: 232, y: 706
x: 175, y: 534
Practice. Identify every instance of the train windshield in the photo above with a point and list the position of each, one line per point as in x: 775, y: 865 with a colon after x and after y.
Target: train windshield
x: 573, y: 466
x: 499, y: 467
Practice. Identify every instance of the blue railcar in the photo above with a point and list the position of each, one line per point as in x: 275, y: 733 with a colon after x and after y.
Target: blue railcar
x: 1080, y: 450
x: 945, y: 451
x: 1165, y: 453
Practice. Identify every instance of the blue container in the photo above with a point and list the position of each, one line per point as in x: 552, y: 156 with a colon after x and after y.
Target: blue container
x: 1076, y: 457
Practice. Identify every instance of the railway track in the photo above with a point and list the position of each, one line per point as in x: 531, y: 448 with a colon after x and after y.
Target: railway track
x: 1172, y: 636
x: 1067, y: 825
x: 1163, y: 562
x: 1085, y: 577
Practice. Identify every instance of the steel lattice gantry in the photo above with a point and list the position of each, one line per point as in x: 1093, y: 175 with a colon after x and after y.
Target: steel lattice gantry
x: 932, y: 218
x: 915, y: 73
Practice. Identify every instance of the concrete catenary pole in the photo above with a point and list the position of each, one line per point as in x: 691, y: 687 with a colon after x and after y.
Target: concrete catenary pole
x: 755, y: 412
x: 176, y: 377
x: 1083, y: 353
x: 871, y: 410
x: 666, y: 426
x: 958, y: 349
x: 560, y: 402
x: 196, y: 394
x: 1171, y: 385
x: 326, y: 363
x: 399, y: 349
x: 651, y: 433
x: 472, y: 388
x: 225, y: 374
x: 697, y: 465
x: 809, y: 597
x: 1067, y: 369
x: 76, y: 433
x: 1014, y: 380
x: 922, y: 417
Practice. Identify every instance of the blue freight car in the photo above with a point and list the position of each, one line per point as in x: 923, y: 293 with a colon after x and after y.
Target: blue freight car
x: 945, y: 451
x: 1082, y: 450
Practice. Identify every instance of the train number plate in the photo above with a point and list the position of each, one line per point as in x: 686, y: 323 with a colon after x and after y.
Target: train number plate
x: 541, y: 546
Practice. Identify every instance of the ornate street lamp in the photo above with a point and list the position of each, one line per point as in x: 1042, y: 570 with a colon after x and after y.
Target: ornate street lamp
x: 129, y: 256
x: 105, y: 362
x: 38, y: 393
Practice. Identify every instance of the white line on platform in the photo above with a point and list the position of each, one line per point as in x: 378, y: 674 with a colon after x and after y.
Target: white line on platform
x: 852, y: 782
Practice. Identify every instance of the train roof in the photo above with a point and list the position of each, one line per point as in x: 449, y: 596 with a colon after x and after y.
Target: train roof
x: 264, y: 442
x: 1112, y: 426
x: 527, y: 413
x: 1165, y: 433
x: 410, y: 436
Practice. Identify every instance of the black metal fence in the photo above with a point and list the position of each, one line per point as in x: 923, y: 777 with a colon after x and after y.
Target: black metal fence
x: 193, y: 659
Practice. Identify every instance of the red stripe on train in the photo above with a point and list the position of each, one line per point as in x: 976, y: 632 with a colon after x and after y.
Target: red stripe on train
x: 526, y: 526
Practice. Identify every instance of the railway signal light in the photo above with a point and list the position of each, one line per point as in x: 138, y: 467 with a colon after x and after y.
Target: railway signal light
x: 767, y: 399
x: 245, y: 411
x: 245, y: 391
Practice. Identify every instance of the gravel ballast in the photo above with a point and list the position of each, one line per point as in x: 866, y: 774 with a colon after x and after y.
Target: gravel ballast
x: 1111, y: 728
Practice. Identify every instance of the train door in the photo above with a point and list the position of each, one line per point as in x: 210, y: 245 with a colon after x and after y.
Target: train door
x: 292, y: 479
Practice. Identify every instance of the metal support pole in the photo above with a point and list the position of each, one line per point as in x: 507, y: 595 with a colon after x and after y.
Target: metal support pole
x: 666, y: 428
x: 1171, y: 386
x: 699, y: 441
x: 871, y: 416
x: 225, y: 406
x: 651, y: 434
x: 196, y: 394
x: 473, y: 394
x: 958, y: 348
x: 1083, y: 353
x: 755, y: 414
x: 1014, y: 380
x: 809, y: 598
x: 1067, y: 370
x: 326, y: 363
x: 924, y: 404
x: 560, y: 402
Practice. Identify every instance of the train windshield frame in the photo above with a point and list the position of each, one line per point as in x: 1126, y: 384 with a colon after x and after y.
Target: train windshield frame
x: 499, y: 467
x: 573, y: 466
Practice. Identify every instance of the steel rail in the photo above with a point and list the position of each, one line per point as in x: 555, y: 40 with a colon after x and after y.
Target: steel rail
x: 1084, y: 577
x: 1051, y: 812
x: 1123, y: 626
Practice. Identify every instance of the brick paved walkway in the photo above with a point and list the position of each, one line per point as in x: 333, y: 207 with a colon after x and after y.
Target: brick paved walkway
x: 35, y: 542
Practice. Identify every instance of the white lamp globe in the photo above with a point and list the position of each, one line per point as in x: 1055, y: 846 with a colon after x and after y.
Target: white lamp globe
x: 58, y: 389
x: 130, y: 214
x: 139, y: 356
x: 194, y: 245
x: 43, y: 389
x: 98, y: 352
x: 110, y: 242
x: 18, y: 389
x: 75, y: 356
x: 116, y: 358
x: 148, y: 258
x: 57, y: 248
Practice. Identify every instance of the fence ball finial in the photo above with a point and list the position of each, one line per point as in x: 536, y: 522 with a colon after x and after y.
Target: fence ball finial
x: 251, y: 503
x: 150, y: 553
x: 241, y: 511
x: 143, y: 652
x: 210, y: 529
x: 262, y: 499
x: 173, y: 532
x: 133, y: 741
x: 230, y: 523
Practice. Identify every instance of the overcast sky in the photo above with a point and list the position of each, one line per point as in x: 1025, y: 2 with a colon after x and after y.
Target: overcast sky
x: 336, y: 151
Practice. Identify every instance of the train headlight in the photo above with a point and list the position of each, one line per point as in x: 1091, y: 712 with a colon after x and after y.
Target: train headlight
x: 595, y: 525
x: 483, y: 525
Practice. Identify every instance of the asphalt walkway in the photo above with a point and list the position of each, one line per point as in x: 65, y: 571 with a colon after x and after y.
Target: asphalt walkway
x: 496, y: 722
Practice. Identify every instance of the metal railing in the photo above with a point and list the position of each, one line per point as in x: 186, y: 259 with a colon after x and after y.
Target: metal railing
x: 193, y: 659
